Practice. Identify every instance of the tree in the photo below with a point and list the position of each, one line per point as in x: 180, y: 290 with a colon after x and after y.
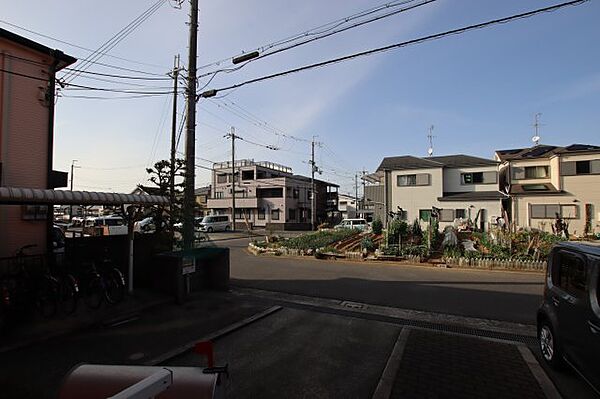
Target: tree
x: 377, y: 226
x: 166, y: 216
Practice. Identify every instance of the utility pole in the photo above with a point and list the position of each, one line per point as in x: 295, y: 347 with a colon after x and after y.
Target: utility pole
x: 364, y: 196
x: 173, y: 134
x: 71, y: 206
x: 313, y: 169
x: 190, y: 139
x: 233, y: 137
x: 356, y: 194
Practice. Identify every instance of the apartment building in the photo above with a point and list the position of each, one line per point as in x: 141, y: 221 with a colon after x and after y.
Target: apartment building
x: 462, y: 186
x: 27, y: 79
x: 547, y: 180
x: 347, y: 206
x: 270, y: 195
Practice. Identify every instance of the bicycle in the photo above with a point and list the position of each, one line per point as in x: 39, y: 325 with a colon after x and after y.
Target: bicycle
x: 23, y: 292
x: 107, y: 284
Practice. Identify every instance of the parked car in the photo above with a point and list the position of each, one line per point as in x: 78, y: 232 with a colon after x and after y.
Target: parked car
x: 568, y: 320
x: 359, y: 224
x: 214, y: 223
x: 144, y: 226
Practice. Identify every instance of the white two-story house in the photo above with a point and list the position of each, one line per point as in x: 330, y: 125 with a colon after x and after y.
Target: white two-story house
x: 462, y: 186
x: 545, y: 180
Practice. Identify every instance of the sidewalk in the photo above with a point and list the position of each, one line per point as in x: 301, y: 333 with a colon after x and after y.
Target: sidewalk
x: 37, y: 329
x: 440, y: 365
x: 36, y: 370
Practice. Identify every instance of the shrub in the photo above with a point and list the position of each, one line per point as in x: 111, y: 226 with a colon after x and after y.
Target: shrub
x: 453, y: 251
x: 367, y: 243
x: 319, y: 239
x: 377, y: 226
x: 396, y: 230
x: 415, y: 229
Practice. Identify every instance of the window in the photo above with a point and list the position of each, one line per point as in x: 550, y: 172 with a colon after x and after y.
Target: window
x: 292, y: 215
x: 269, y: 192
x: 407, y: 180
x: 582, y: 167
x: 425, y: 214
x: 550, y: 211
x: 295, y: 193
x: 261, y: 213
x: 221, y: 178
x: 537, y: 172
x: 587, y: 167
x: 343, y: 203
x: 472, y: 178
x: 218, y: 194
x: 34, y: 212
x: 247, y: 175
x: 309, y: 195
x: 460, y: 213
x: 572, y: 274
x: 419, y: 179
x: 447, y: 215
x: 275, y: 214
x: 535, y: 187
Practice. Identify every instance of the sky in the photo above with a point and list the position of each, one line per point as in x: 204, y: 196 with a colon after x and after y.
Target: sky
x: 480, y: 90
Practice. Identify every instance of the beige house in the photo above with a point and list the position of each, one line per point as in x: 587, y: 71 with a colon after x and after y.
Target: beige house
x: 270, y: 195
x: 547, y: 180
x: 462, y: 186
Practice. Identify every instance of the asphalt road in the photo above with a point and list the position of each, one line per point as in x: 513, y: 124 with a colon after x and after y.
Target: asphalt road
x: 506, y: 296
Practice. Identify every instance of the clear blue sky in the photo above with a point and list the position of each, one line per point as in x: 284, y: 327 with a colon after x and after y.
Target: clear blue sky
x: 480, y: 89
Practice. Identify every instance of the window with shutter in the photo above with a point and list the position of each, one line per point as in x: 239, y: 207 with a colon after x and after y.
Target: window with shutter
x: 595, y: 166
x: 490, y: 177
x: 447, y: 215
x: 567, y: 169
x: 518, y: 173
x: 423, y: 179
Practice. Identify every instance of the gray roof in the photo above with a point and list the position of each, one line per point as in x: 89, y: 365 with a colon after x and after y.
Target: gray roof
x: 544, y: 151
x: 449, y: 161
x: 23, y: 41
x: 473, y: 196
x: 307, y: 179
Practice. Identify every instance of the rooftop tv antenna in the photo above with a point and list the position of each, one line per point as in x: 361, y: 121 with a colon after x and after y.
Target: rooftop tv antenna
x: 536, y: 138
x: 430, y: 136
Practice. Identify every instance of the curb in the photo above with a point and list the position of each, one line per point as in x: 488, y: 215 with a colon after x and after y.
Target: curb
x: 386, y: 382
x: 211, y: 337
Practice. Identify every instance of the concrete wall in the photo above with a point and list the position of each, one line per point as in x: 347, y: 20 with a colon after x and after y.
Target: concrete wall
x: 23, y: 142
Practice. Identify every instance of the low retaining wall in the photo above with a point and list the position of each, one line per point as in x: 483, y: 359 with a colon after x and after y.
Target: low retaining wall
x: 487, y: 264
x: 501, y: 264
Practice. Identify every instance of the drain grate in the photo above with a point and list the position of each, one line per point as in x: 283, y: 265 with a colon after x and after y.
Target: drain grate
x: 524, y: 339
x: 353, y: 305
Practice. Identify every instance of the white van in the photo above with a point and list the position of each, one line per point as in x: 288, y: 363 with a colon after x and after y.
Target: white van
x: 359, y: 224
x: 214, y: 223
x: 110, y: 225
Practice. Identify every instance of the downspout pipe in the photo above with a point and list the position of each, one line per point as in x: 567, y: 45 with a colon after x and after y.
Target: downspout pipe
x: 50, y: 99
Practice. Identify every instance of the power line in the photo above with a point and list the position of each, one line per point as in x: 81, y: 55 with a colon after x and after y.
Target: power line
x: 115, y: 40
x: 403, y: 44
x: 319, y: 30
x: 85, y: 48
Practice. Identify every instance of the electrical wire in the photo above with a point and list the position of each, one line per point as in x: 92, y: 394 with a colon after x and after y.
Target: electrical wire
x: 321, y: 29
x: 406, y: 43
x: 86, y: 49
x: 114, y: 41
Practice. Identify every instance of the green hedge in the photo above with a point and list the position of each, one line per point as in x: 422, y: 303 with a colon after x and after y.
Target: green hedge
x: 319, y: 239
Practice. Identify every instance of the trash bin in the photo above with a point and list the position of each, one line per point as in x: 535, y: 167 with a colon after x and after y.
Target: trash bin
x: 179, y: 273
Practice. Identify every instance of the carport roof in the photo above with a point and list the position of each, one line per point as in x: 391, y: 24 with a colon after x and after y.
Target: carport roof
x: 34, y: 196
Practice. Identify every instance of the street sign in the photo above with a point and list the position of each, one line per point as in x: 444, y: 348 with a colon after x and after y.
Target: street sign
x: 188, y: 265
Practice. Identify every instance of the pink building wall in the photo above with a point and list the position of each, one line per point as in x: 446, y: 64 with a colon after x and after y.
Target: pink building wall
x: 23, y: 140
